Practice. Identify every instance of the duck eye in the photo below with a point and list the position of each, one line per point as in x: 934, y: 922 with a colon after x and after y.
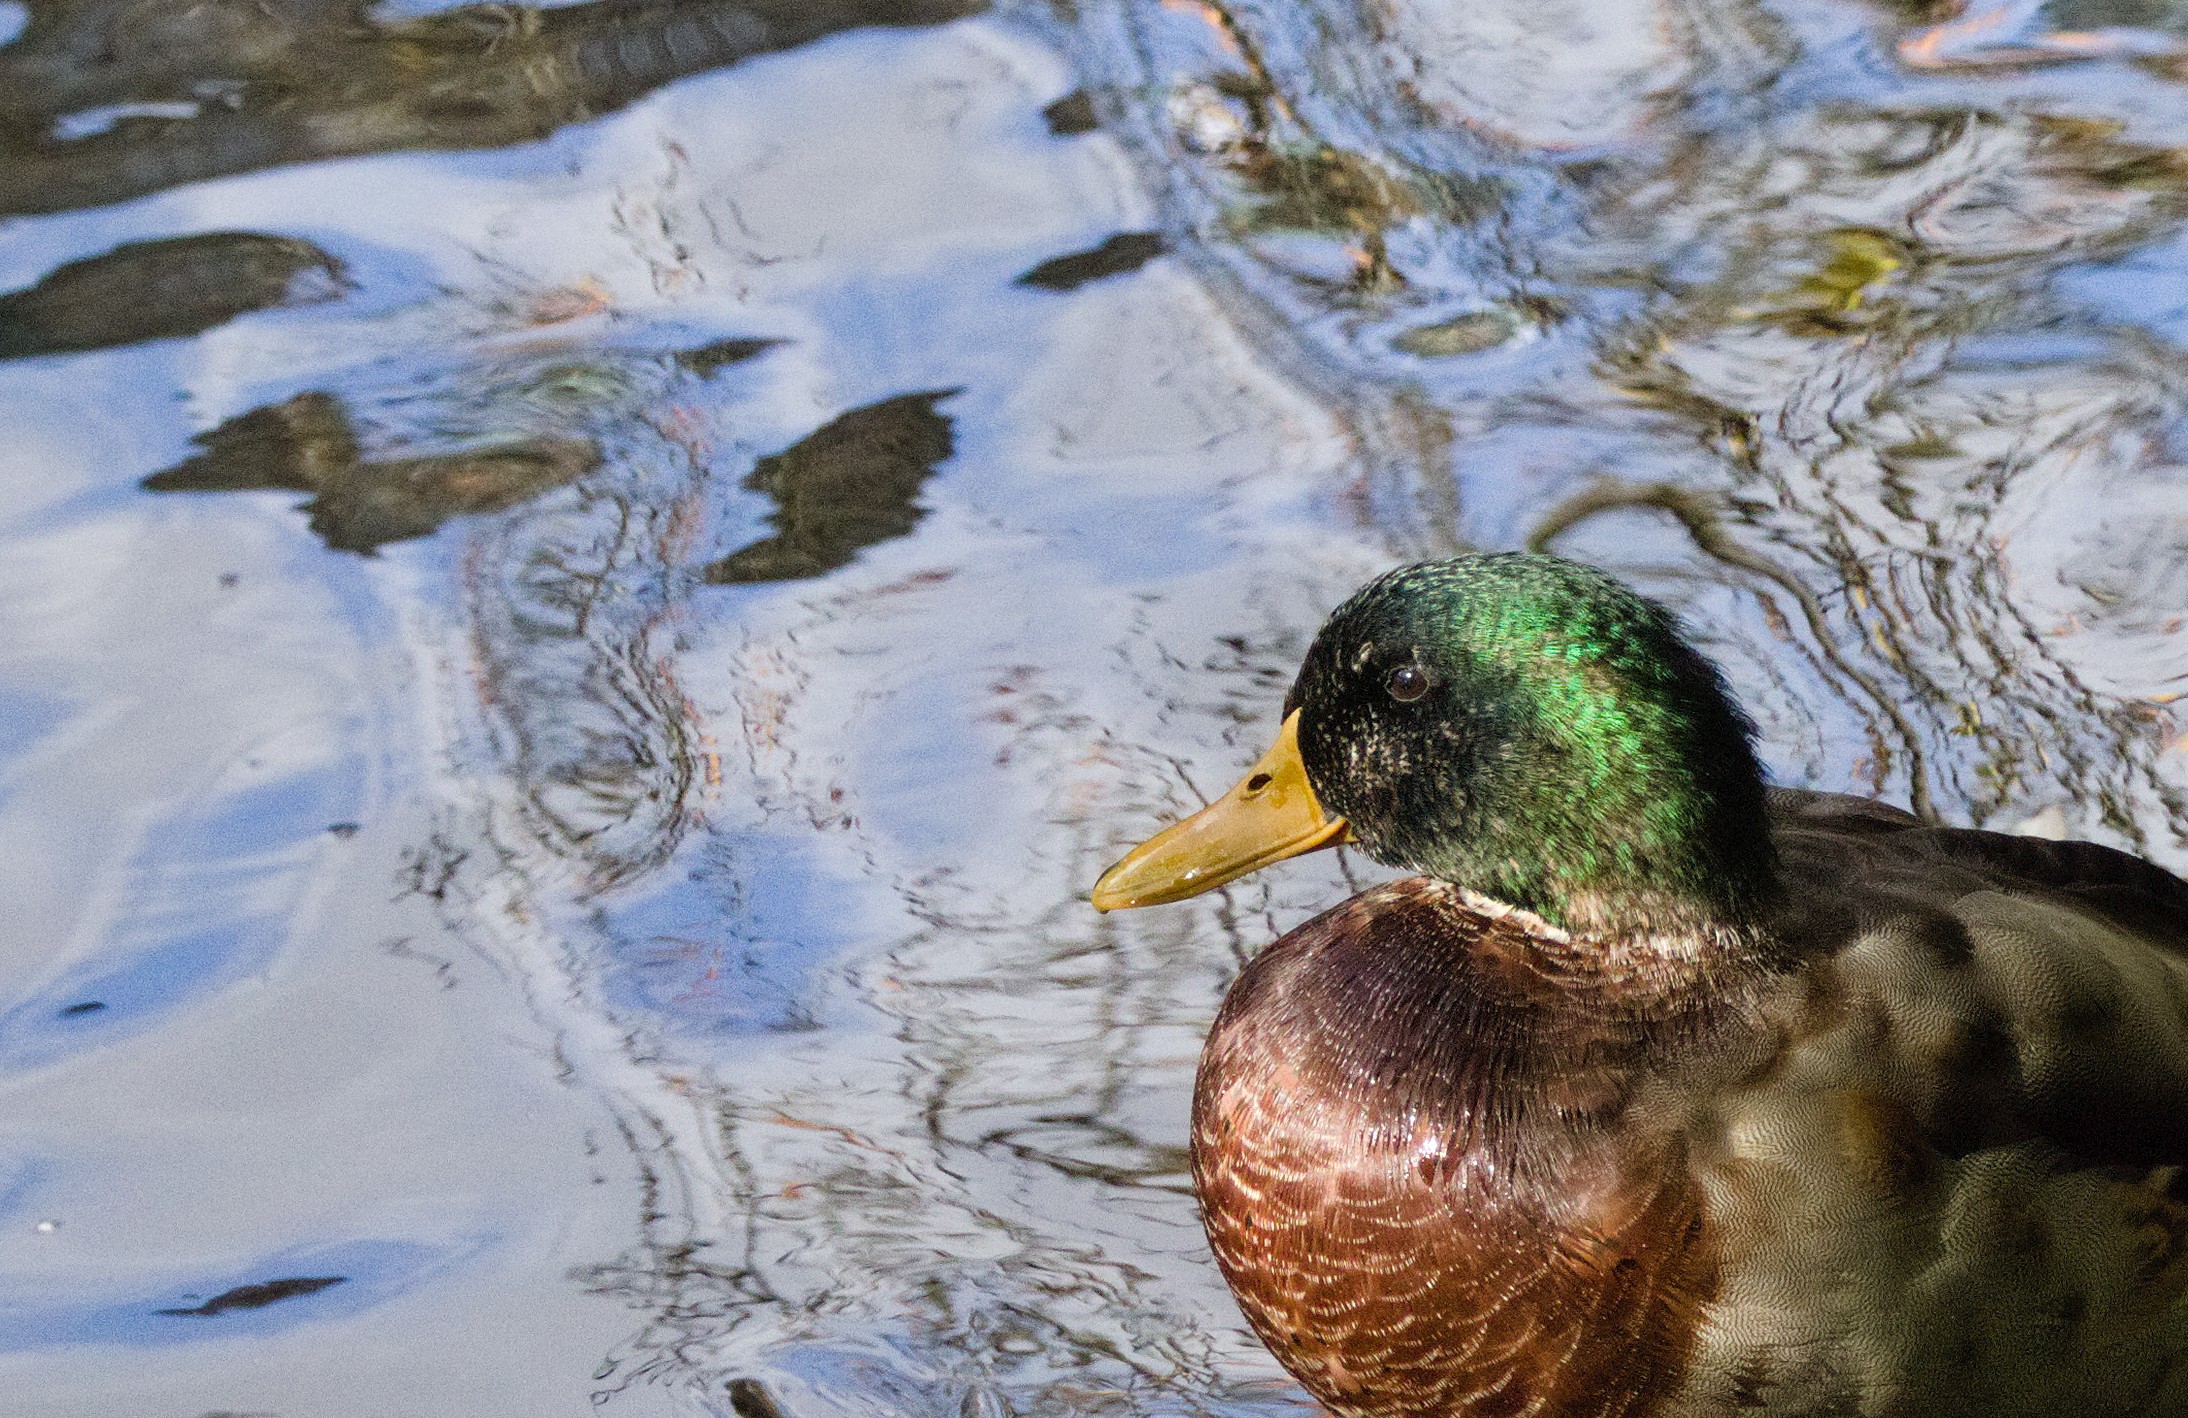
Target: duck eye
x: 1407, y: 683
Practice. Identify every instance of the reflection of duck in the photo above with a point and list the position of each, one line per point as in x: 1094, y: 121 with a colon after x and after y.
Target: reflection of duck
x: 1658, y: 1092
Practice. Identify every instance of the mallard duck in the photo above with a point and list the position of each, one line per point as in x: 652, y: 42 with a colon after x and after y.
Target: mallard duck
x: 1656, y: 1091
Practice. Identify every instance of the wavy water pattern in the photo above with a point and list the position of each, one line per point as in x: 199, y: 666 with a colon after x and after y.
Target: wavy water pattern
x: 607, y: 923
x: 1826, y: 308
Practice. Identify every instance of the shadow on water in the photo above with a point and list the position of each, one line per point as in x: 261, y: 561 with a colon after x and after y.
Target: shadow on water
x: 864, y: 534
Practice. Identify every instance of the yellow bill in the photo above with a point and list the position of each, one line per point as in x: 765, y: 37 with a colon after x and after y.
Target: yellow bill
x: 1269, y: 815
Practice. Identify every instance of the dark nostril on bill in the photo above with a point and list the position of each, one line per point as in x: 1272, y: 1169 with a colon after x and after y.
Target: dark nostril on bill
x: 1256, y: 783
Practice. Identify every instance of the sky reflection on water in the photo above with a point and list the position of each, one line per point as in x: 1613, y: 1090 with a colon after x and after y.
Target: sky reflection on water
x: 724, y: 722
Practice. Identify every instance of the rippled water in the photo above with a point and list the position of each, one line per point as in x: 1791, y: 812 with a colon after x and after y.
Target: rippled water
x: 588, y: 589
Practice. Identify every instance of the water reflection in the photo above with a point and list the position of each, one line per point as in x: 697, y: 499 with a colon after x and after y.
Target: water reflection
x: 1710, y: 311
x: 1794, y: 345
x: 723, y: 353
x: 163, y: 290
x: 787, y: 704
x: 1126, y: 251
x: 258, y: 1295
x: 842, y: 488
x: 306, y: 444
x: 2022, y: 33
x: 1828, y: 307
x: 104, y: 100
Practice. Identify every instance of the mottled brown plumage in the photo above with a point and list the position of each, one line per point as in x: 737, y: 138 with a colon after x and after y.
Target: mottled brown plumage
x: 1402, y: 1144
x: 1896, y: 1158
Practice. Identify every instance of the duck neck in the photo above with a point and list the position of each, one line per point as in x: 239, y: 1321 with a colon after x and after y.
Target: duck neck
x: 1650, y: 865
x: 1640, y: 947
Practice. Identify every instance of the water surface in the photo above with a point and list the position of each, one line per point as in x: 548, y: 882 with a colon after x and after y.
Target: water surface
x: 589, y: 588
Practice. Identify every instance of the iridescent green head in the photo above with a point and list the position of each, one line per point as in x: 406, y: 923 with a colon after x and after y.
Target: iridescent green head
x: 1536, y: 731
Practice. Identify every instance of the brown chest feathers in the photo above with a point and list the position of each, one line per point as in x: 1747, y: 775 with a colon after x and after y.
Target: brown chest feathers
x: 1401, y: 1147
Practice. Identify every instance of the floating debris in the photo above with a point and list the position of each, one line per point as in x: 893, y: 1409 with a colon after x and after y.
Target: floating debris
x: 1071, y: 114
x: 258, y: 1296
x: 1126, y: 251
x: 396, y: 501
x: 749, y: 1398
x: 163, y: 290
x: 706, y: 359
x: 306, y: 444
x: 1854, y: 265
x: 1326, y: 189
x: 1468, y: 334
x: 842, y: 488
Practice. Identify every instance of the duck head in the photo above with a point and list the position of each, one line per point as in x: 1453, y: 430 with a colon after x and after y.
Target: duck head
x: 1517, y: 725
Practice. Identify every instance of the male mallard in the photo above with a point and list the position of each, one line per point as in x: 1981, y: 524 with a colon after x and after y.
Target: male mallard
x: 1659, y: 1092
